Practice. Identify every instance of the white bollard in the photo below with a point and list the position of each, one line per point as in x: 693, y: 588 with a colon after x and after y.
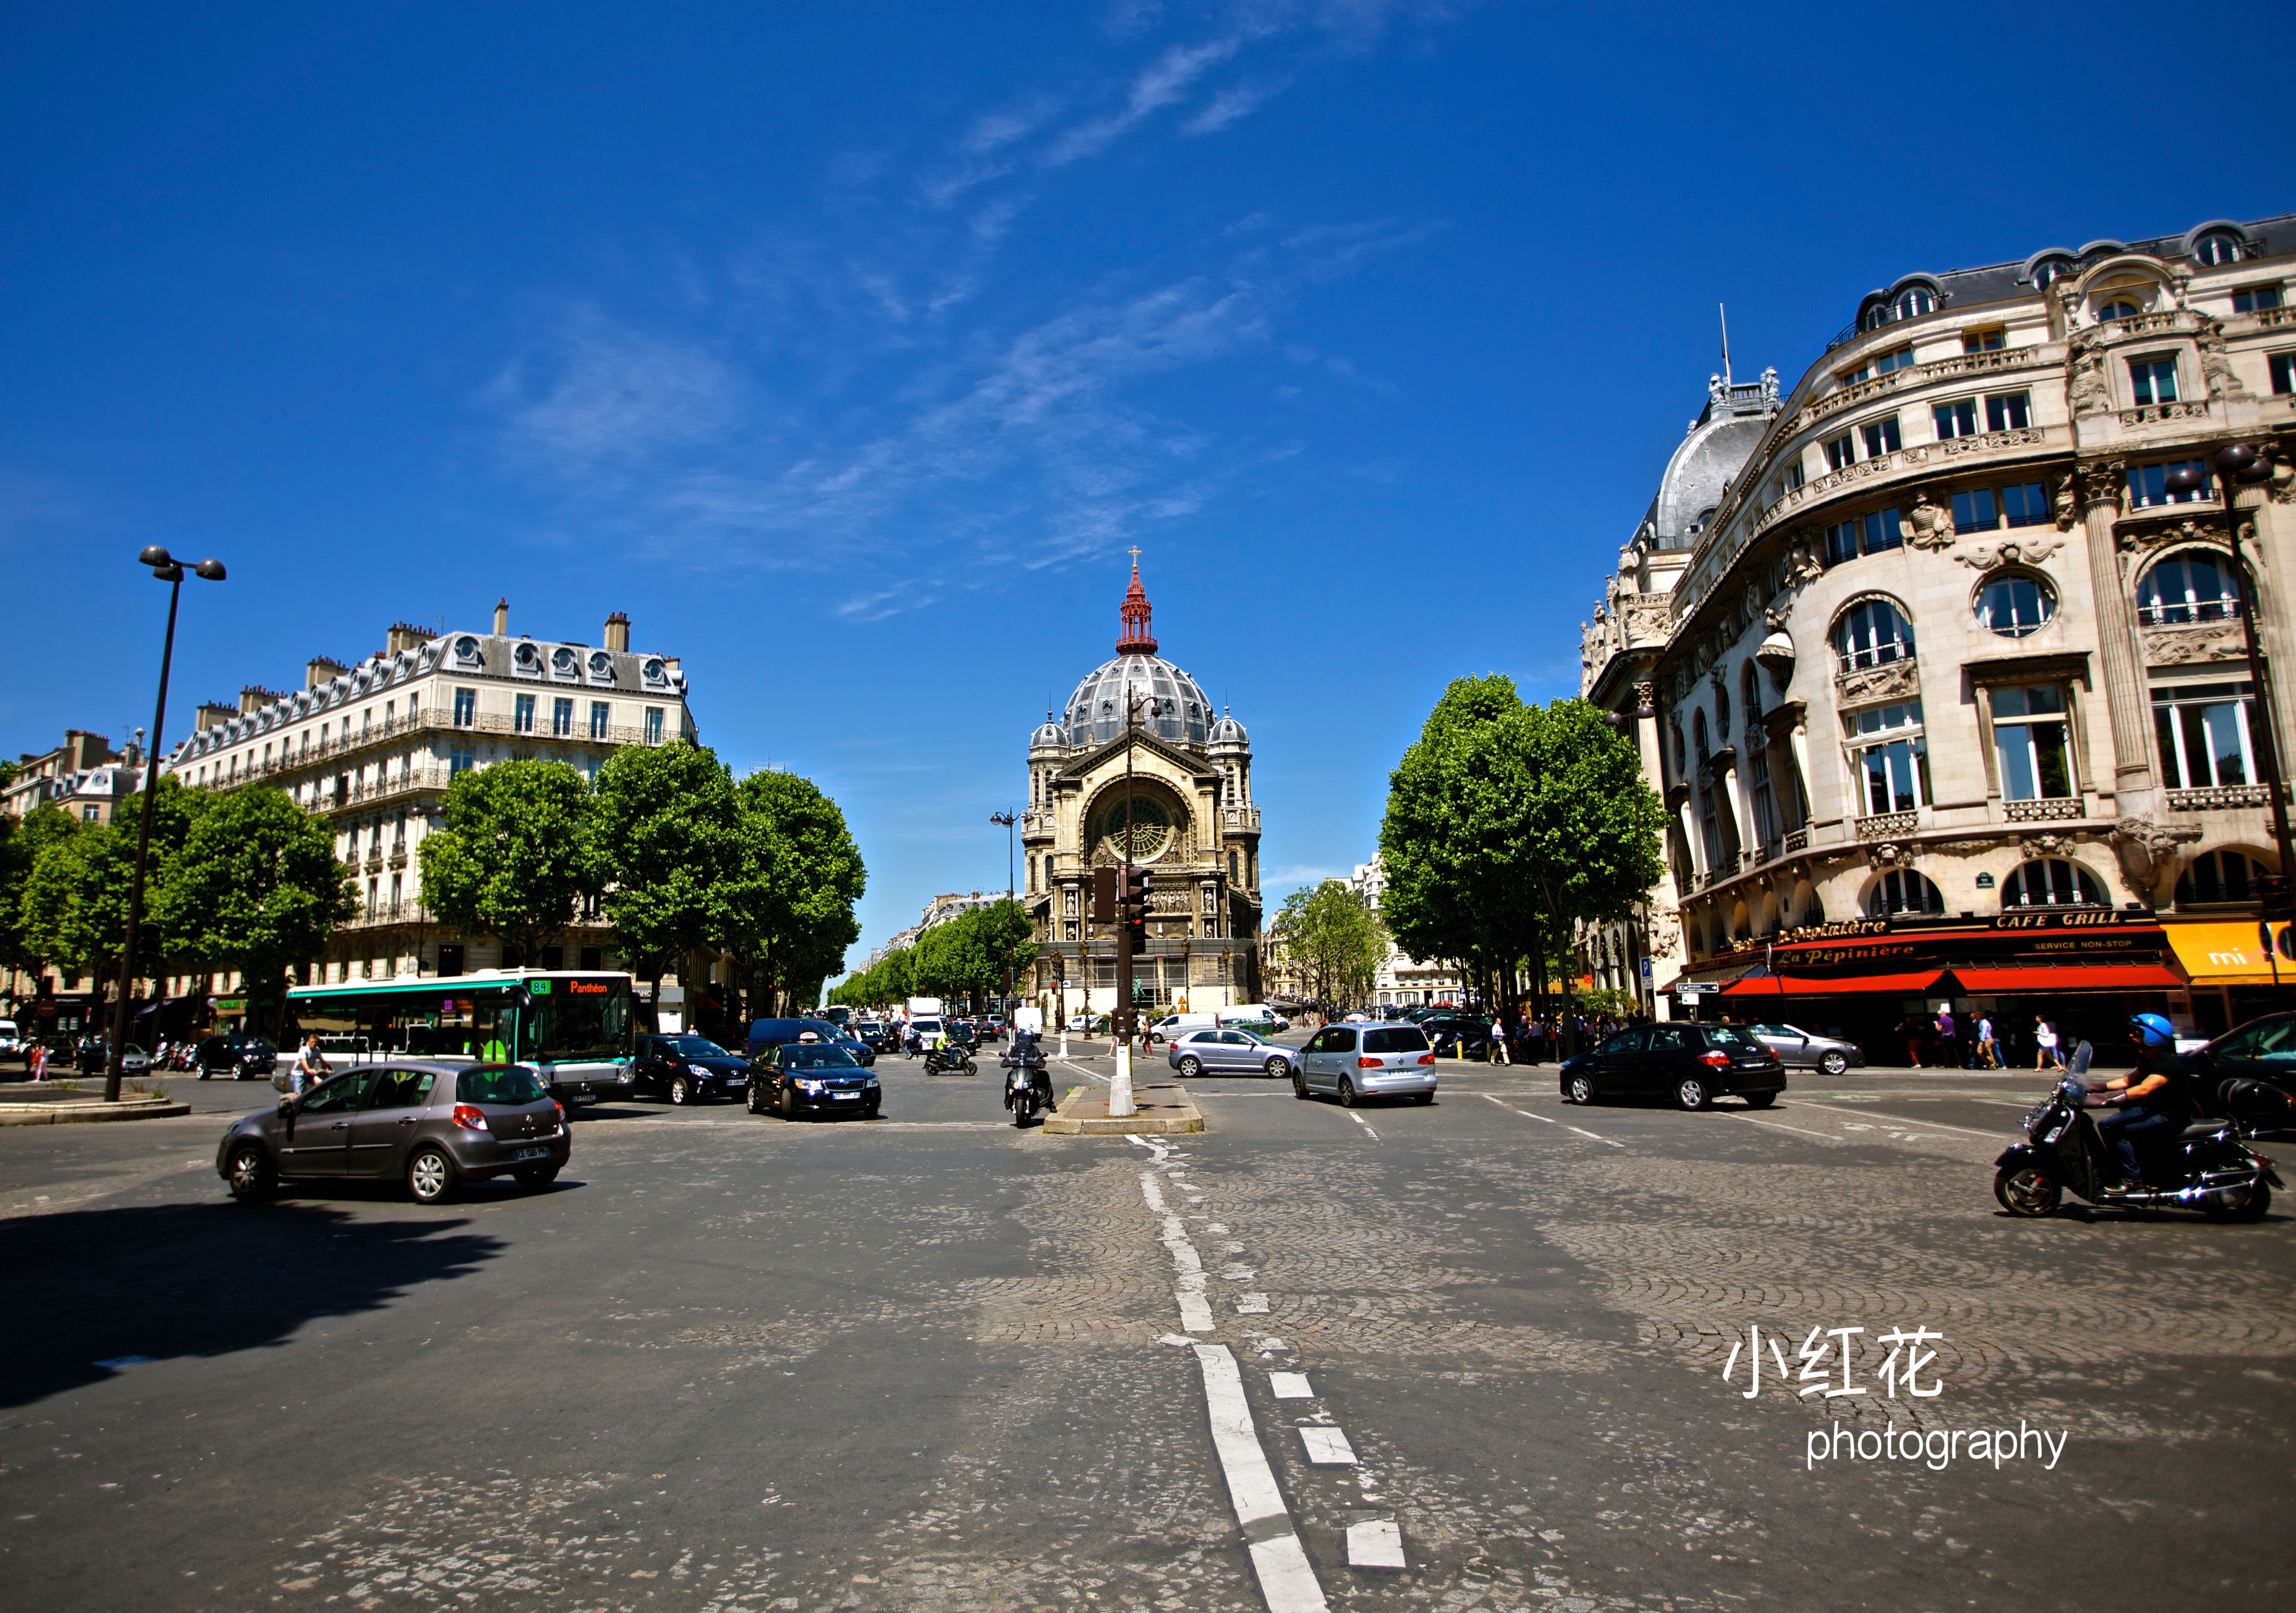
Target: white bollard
x: 1120, y: 1091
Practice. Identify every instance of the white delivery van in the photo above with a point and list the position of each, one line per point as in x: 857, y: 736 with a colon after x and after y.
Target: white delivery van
x: 1253, y: 1013
x: 1180, y: 1025
x: 921, y: 1007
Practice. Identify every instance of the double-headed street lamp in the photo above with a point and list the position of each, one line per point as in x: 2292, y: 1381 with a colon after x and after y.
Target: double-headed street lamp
x: 165, y: 568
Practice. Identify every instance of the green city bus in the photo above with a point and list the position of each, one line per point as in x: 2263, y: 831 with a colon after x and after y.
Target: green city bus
x: 578, y: 1030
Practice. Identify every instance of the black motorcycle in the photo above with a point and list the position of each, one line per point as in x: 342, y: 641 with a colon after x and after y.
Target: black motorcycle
x: 950, y: 1057
x: 2206, y: 1169
x: 1028, y: 1084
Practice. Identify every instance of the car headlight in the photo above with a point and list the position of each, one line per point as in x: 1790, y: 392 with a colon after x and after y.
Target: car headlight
x: 810, y: 1087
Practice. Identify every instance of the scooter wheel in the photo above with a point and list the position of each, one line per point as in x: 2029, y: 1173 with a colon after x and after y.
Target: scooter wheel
x: 2251, y: 1208
x: 2025, y: 1191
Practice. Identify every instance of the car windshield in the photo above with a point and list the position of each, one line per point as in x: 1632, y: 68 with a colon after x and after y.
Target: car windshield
x: 1727, y: 1036
x: 816, y: 1057
x: 1402, y: 1039
x: 695, y: 1047
x: 496, y: 1084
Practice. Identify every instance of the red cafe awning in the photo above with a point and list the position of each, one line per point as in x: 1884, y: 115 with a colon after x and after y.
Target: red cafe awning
x: 1914, y: 985
x: 2044, y: 979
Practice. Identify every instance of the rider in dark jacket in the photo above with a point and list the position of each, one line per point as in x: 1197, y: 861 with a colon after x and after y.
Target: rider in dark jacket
x: 2156, y: 1099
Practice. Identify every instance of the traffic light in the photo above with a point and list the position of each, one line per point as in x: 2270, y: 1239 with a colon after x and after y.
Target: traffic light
x: 1135, y: 905
x: 1103, y: 893
x: 2278, y: 902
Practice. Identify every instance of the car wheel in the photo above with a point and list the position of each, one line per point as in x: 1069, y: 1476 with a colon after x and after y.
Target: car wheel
x: 203, y: 1072
x: 250, y: 1172
x: 1759, y: 1099
x: 1299, y: 1085
x: 430, y: 1176
x: 787, y: 1106
x: 1834, y: 1064
x: 536, y: 1177
x: 681, y: 1093
x: 1691, y: 1093
x: 1422, y: 1098
x: 1277, y: 1068
x: 1347, y: 1093
x: 1191, y: 1066
x: 1582, y: 1090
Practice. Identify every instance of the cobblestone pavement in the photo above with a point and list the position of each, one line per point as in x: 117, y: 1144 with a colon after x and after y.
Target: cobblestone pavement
x: 735, y: 1364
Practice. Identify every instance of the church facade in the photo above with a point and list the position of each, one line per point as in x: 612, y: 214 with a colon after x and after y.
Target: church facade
x: 1138, y: 758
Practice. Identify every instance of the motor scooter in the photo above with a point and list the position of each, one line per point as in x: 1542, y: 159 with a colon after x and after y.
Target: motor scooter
x: 1028, y: 1085
x: 2207, y: 1168
x: 944, y: 1058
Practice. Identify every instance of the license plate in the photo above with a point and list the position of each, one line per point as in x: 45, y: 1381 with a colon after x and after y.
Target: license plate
x: 845, y: 1097
x: 528, y: 1153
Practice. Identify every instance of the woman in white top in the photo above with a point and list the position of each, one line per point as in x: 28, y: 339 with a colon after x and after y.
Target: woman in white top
x: 2045, y: 1040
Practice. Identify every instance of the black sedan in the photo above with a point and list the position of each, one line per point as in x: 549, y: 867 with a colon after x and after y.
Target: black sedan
x: 1692, y: 1065
x: 236, y: 1056
x: 688, y: 1070
x: 2248, y: 1073
x: 853, y: 1042
x: 803, y: 1077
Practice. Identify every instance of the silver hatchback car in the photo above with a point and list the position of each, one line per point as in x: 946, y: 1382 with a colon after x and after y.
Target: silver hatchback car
x: 1359, y: 1061
x: 432, y: 1125
x: 1230, y: 1051
x: 1799, y: 1049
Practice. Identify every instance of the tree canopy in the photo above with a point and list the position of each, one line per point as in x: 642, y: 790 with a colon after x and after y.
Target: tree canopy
x: 668, y: 839
x: 791, y: 918
x: 511, y: 856
x: 1333, y: 935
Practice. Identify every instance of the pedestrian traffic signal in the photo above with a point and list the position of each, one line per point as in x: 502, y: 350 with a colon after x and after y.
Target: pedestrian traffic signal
x: 1103, y: 895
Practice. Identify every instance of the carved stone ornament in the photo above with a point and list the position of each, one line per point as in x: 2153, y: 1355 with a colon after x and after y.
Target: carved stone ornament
x: 1664, y: 937
x: 2283, y: 484
x: 1802, y: 565
x: 2144, y: 849
x: 2214, y: 364
x: 2090, y: 392
x: 2009, y: 551
x: 1894, y: 681
x: 2102, y: 481
x: 2061, y: 505
x: 1646, y: 697
x: 2201, y: 641
x: 2046, y: 845
x: 1929, y: 525
x: 1886, y: 854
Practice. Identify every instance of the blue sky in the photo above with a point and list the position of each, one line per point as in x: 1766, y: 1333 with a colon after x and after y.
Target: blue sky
x: 848, y: 347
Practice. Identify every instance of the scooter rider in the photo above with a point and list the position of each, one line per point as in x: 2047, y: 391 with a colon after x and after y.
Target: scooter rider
x: 1026, y: 1052
x: 2156, y: 1099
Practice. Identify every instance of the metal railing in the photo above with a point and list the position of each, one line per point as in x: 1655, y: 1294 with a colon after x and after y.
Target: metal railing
x: 431, y: 720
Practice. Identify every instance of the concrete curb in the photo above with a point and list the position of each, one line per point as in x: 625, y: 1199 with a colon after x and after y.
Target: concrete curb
x: 82, y: 1114
x: 1164, y: 1110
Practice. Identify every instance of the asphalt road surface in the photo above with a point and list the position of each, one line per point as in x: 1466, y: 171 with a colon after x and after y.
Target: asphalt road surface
x: 731, y: 1363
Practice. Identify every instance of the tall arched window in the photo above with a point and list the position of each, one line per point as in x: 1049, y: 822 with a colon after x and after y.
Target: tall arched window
x: 1902, y: 890
x: 1872, y: 632
x: 1768, y: 828
x: 2219, y: 876
x: 2051, y: 883
x: 2190, y: 585
x: 1915, y: 300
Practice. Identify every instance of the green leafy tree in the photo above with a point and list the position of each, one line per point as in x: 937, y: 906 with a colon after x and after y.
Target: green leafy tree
x: 256, y: 889
x: 71, y: 905
x: 791, y: 919
x: 511, y: 854
x: 1333, y: 935
x: 23, y: 840
x: 667, y: 836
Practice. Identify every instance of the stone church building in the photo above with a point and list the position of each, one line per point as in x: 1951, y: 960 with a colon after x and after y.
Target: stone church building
x: 1138, y: 755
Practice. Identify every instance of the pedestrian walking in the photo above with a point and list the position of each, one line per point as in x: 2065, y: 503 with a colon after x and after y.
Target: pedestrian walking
x: 1912, y: 1029
x: 1986, y: 1057
x: 39, y: 1060
x: 2045, y: 1041
x: 1948, y: 1039
x: 1499, y: 1042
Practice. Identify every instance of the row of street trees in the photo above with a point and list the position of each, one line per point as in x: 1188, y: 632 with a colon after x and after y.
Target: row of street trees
x: 1510, y: 825
x: 969, y: 956
x: 1334, y: 940
x: 673, y: 851
x: 670, y: 849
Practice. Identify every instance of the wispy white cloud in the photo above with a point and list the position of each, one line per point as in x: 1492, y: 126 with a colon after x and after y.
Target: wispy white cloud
x: 1159, y: 84
x: 606, y: 393
x: 1236, y: 101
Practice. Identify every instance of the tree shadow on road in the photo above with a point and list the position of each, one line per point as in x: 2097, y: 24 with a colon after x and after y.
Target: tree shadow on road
x: 167, y: 1281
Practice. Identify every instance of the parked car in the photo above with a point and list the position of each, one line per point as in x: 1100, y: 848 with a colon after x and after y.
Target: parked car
x: 242, y: 1058
x: 1359, y: 1061
x: 800, y: 1077
x: 1691, y: 1064
x: 688, y: 1070
x: 1455, y: 1035
x: 1229, y: 1050
x: 431, y: 1126
x: 1799, y: 1049
x: 1172, y: 1026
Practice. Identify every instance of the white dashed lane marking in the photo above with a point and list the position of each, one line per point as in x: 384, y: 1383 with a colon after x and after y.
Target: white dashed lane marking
x: 1287, y: 1581
x: 1326, y: 1446
x: 1289, y: 1385
x: 1549, y: 1120
x: 1375, y: 1544
x: 1359, y: 1120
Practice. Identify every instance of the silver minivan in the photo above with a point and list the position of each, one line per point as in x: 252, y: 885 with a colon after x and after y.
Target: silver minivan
x: 1359, y: 1061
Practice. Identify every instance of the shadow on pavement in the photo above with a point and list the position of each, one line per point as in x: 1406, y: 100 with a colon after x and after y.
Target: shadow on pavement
x: 167, y: 1281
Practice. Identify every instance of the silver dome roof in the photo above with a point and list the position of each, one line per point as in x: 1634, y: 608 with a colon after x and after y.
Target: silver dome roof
x: 1095, y: 713
x: 1227, y: 730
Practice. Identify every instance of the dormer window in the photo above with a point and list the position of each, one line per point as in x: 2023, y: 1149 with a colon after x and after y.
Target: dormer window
x: 1915, y: 301
x: 2216, y: 251
x: 2048, y: 270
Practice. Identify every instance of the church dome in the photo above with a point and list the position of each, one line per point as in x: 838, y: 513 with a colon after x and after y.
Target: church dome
x: 1095, y: 712
x: 1048, y: 734
x: 1227, y: 730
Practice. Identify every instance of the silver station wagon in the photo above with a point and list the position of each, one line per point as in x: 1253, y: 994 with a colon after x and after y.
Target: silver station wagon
x: 1359, y: 1061
x: 431, y: 1126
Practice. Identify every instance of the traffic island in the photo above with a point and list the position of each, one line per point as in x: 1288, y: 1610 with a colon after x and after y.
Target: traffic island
x: 1162, y: 1109
x: 73, y: 1108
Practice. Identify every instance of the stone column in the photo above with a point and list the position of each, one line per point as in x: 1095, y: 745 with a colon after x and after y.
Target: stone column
x: 2101, y: 483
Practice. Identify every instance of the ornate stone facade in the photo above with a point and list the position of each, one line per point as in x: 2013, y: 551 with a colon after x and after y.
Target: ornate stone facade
x: 1952, y: 551
x: 1174, y: 783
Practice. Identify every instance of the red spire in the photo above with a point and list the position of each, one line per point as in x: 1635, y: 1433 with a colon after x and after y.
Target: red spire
x: 1136, y: 639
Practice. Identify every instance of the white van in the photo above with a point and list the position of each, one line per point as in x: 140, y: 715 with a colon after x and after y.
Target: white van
x: 1179, y: 1025
x: 1253, y: 1013
x: 11, y: 1040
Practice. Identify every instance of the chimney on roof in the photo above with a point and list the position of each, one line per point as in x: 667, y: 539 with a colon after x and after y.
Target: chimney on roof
x: 403, y: 635
x: 255, y: 696
x: 214, y: 714
x: 85, y: 750
x: 618, y: 632
x: 502, y: 618
x: 319, y: 668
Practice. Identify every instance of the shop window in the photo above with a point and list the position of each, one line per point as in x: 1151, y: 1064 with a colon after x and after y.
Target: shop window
x: 2051, y: 882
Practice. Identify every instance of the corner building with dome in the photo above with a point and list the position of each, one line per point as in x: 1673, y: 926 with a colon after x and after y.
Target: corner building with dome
x: 1191, y: 825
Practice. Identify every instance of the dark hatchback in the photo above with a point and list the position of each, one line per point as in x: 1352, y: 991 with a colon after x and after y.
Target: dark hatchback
x: 1689, y: 1065
x: 797, y: 1078
x: 238, y: 1057
x: 2248, y: 1073
x: 688, y: 1070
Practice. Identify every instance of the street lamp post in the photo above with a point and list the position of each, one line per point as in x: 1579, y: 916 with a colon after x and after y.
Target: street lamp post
x: 164, y: 567
x: 1008, y: 820
x: 2240, y: 465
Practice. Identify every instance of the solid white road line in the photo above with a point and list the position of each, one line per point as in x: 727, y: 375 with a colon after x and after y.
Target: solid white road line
x: 1326, y: 1446
x: 1359, y: 1120
x: 1287, y: 1581
x: 1188, y: 1290
x: 1904, y: 1125
x: 1375, y: 1544
x: 1290, y: 1386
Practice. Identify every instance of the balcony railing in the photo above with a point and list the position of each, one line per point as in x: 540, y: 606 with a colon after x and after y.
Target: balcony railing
x: 2219, y: 798
x: 2146, y: 415
x: 1797, y: 839
x: 1886, y: 825
x: 2045, y: 811
x: 434, y: 720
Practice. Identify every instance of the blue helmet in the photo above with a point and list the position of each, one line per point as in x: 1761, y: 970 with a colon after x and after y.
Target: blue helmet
x: 2154, y: 1029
